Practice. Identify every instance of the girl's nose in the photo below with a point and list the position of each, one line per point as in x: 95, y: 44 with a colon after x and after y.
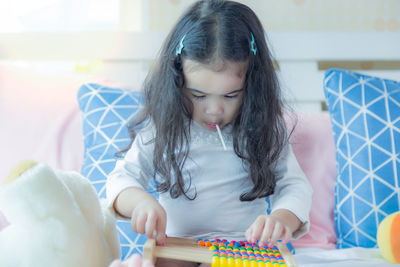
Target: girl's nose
x: 215, y: 108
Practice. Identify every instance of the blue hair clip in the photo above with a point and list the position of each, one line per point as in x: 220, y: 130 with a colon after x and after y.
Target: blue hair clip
x: 180, y: 46
x: 253, y: 46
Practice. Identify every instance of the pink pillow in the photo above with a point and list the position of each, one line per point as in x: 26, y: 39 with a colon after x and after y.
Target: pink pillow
x: 313, y: 145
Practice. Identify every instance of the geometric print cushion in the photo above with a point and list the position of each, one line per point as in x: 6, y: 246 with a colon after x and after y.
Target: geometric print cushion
x: 105, y: 113
x: 365, y: 116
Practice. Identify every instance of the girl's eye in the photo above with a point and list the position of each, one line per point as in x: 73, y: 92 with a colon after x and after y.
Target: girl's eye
x: 198, y: 96
x: 231, y: 96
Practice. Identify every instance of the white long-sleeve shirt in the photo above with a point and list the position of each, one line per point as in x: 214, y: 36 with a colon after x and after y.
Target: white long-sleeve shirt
x: 219, y: 178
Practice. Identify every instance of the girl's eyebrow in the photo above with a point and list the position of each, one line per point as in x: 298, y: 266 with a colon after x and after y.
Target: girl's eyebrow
x: 201, y: 92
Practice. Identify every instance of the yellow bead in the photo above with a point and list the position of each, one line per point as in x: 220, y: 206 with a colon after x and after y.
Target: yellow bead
x: 215, y: 261
x: 231, y: 262
x: 239, y: 262
x: 246, y: 263
x: 223, y: 262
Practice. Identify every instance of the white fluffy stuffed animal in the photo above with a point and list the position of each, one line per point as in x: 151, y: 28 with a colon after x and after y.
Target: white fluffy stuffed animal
x: 54, y: 218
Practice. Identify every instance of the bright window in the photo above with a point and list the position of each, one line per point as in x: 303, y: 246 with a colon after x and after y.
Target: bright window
x: 58, y: 15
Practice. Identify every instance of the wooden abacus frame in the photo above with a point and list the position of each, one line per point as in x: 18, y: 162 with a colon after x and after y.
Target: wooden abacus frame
x: 188, y: 250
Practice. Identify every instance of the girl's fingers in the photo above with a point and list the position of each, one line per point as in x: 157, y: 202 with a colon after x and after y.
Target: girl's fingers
x: 249, y: 233
x: 276, y: 234
x: 151, y: 226
x: 288, y: 235
x: 160, y: 227
x: 141, y: 223
x: 133, y: 222
x: 257, y: 229
x: 266, y: 234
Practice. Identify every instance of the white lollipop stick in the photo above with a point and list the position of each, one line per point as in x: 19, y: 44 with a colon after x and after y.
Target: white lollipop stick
x: 220, y: 136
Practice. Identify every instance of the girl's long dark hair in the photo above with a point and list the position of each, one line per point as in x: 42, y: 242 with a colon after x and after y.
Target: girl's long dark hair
x: 215, y: 31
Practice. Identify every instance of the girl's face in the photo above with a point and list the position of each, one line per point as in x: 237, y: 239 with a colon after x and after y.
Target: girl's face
x: 216, y: 91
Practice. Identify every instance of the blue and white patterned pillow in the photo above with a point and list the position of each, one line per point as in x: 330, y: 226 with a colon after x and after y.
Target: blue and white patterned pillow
x: 105, y: 114
x: 365, y: 115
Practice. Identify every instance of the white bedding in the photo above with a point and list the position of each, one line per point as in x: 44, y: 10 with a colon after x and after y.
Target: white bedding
x: 351, y: 257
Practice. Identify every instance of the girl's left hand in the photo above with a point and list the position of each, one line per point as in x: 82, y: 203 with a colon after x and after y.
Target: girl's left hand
x: 268, y: 229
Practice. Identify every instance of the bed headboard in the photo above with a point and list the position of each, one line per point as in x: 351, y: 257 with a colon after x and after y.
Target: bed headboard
x: 301, y: 57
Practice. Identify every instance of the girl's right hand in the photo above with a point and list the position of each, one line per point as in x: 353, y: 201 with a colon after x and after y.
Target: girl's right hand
x: 148, y: 217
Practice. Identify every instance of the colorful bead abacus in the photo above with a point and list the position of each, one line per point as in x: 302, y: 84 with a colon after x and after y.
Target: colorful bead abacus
x: 242, y: 254
x: 220, y: 253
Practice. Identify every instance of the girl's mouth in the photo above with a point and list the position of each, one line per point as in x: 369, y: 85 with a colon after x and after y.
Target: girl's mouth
x: 211, y: 126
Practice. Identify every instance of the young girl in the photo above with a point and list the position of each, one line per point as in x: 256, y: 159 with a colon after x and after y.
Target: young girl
x: 212, y: 137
